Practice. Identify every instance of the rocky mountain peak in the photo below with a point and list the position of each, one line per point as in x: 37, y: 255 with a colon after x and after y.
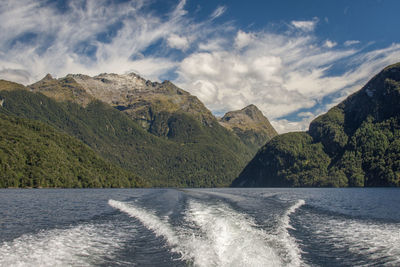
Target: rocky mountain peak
x: 246, y: 117
x: 48, y: 77
x: 142, y: 99
x: 63, y: 89
x: 252, y: 127
x: 110, y: 84
x: 254, y: 113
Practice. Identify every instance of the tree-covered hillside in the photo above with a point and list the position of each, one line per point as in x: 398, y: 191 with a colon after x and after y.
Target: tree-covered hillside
x: 33, y: 154
x: 356, y: 143
x: 192, y: 155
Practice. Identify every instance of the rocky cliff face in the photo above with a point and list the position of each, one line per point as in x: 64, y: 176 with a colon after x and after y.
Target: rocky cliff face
x: 250, y: 125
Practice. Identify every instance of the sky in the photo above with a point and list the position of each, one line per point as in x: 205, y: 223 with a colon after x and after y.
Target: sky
x: 293, y: 59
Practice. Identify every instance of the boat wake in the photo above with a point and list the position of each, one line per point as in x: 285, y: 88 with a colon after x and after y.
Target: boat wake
x: 83, y: 245
x: 377, y: 242
x: 216, y: 235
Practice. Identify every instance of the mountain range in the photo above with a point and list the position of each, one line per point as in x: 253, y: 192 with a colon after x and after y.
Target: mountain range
x: 154, y: 134
x: 115, y: 130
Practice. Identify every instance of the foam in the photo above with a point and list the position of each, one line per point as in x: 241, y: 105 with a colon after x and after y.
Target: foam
x: 376, y: 241
x: 149, y: 220
x: 289, y: 244
x: 213, y: 235
x: 286, y: 217
x: 228, y: 238
x: 83, y: 245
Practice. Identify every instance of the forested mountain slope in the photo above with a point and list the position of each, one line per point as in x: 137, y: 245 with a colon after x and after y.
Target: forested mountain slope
x: 192, y: 154
x: 356, y: 143
x: 33, y: 154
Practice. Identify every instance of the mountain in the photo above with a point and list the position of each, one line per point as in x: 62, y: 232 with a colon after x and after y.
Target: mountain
x: 356, y: 143
x: 179, y: 143
x: 250, y: 125
x: 33, y: 154
x: 64, y: 89
x: 144, y: 101
x: 156, y: 107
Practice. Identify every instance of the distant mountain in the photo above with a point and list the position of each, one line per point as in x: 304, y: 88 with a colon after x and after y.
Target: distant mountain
x: 250, y: 125
x: 356, y: 143
x: 178, y: 143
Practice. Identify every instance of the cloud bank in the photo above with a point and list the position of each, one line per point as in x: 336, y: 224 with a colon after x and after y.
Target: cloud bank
x: 291, y: 75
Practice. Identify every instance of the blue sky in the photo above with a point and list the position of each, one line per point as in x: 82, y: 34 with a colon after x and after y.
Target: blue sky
x: 294, y: 59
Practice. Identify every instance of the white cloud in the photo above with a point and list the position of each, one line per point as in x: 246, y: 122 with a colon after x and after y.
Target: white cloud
x: 305, y: 25
x: 285, y: 126
x: 305, y: 114
x: 213, y: 45
x: 219, y: 11
x: 351, y: 42
x: 279, y: 73
x: 59, y: 41
x: 330, y: 44
x: 243, y: 39
x: 178, y: 42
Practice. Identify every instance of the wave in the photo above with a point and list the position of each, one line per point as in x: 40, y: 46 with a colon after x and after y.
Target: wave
x: 83, y: 245
x: 290, y: 244
x: 217, y: 235
x: 379, y: 242
x: 149, y: 220
x: 228, y: 238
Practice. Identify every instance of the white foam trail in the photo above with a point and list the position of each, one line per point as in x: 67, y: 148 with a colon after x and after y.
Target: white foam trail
x: 374, y: 241
x: 216, y: 236
x: 149, y: 220
x: 288, y: 243
x: 228, y: 238
x: 286, y: 217
x: 84, y: 245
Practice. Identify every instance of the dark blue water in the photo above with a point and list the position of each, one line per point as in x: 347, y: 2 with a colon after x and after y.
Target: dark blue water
x: 200, y: 227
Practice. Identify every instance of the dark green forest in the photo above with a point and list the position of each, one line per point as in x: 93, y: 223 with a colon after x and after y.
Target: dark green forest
x: 356, y: 143
x: 193, y: 155
x: 33, y: 154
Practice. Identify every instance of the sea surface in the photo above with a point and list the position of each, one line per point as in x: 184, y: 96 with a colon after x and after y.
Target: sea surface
x: 200, y: 227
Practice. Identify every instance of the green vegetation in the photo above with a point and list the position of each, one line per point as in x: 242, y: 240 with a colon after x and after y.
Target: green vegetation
x: 288, y: 160
x: 33, y: 154
x: 189, y: 154
x: 356, y: 143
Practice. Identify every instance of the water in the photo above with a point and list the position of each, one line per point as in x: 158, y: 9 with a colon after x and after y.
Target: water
x: 200, y: 227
